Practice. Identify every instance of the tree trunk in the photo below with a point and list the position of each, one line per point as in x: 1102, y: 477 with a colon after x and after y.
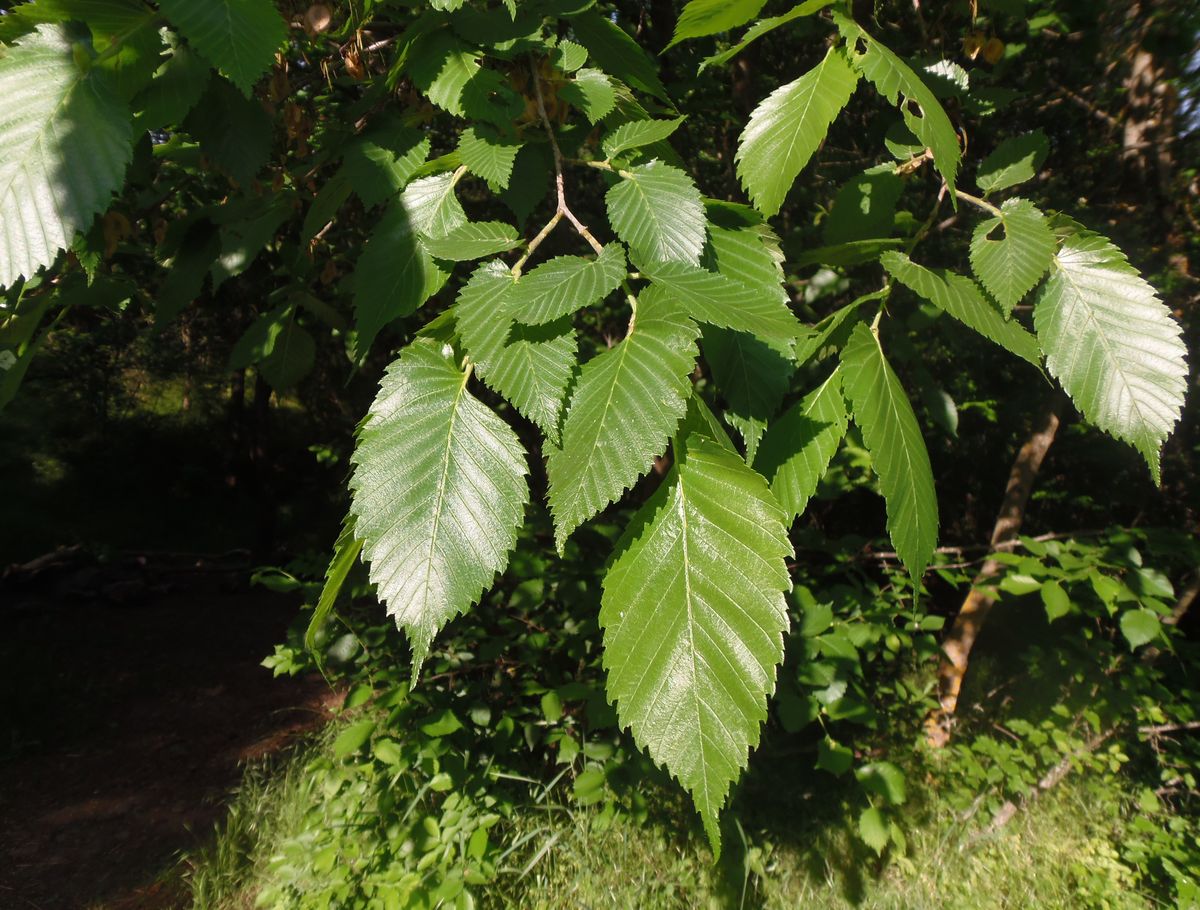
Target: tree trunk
x: 978, y: 604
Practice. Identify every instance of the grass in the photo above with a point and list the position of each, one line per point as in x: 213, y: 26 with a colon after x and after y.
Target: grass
x: 1061, y: 853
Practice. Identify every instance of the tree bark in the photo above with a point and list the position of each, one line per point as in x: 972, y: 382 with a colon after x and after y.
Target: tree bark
x: 978, y: 604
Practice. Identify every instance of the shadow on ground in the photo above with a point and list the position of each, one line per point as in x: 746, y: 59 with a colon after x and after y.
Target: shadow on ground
x: 123, y: 728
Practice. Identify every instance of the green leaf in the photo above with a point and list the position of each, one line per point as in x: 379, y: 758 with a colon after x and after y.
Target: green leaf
x: 239, y: 37
x: 961, y: 298
x: 873, y: 829
x: 798, y: 447
x: 569, y: 56
x: 177, y: 86
x: 433, y: 206
x: 1014, y: 161
x: 439, y: 493
x: 922, y: 112
x: 1010, y: 267
x: 395, y: 274
x: 567, y: 283
x: 707, y: 17
x: 693, y: 616
x: 592, y: 92
x: 788, y: 126
x: 1140, y: 627
x: 898, y: 453
x: 865, y: 206
x: 474, y: 240
x: 752, y: 377
x: 488, y: 156
x: 884, y: 780
x: 353, y: 738
x: 233, y: 131
x: 834, y: 757
x: 617, y: 53
x: 762, y: 27
x: 530, y: 366
x: 656, y: 209
x: 1112, y: 344
x: 441, y: 66
x: 66, y: 142
x: 345, y: 557
x: 721, y: 301
x: 638, y: 133
x: 379, y: 164
x: 625, y: 407
x: 1055, y: 600
x: 748, y: 254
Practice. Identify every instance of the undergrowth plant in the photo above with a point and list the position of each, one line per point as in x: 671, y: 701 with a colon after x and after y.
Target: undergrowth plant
x: 657, y: 361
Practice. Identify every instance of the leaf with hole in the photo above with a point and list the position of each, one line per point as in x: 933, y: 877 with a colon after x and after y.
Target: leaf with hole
x: 1010, y: 265
x: 896, y: 81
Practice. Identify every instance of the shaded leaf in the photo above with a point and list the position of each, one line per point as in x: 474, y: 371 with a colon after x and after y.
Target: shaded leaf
x: 898, y: 453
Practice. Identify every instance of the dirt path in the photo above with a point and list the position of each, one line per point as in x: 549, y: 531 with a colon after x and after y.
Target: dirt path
x: 122, y: 729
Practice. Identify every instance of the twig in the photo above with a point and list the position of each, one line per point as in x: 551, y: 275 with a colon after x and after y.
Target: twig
x: 976, y: 201
x: 1048, y: 782
x: 956, y: 648
x: 1159, y: 729
x: 563, y: 209
x: 559, y: 185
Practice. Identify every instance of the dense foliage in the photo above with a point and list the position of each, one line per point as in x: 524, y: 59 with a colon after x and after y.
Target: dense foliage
x: 621, y: 315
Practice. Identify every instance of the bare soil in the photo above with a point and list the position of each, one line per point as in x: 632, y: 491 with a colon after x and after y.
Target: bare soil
x: 123, y: 728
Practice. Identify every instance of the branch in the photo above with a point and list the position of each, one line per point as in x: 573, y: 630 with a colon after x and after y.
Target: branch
x: 563, y: 209
x: 974, y: 611
x: 1048, y: 782
x: 979, y: 203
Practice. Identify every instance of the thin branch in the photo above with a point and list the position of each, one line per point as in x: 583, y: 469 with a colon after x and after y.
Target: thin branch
x: 1159, y: 729
x: 559, y: 186
x: 976, y: 201
x: 536, y: 242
